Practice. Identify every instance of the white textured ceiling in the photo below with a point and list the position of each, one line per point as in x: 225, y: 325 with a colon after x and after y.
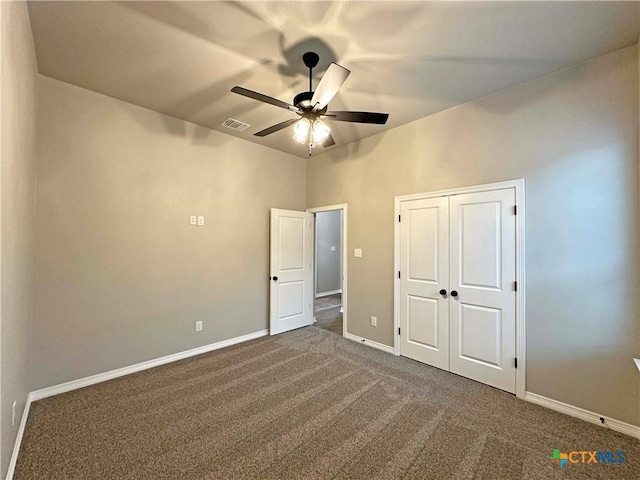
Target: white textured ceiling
x: 409, y: 59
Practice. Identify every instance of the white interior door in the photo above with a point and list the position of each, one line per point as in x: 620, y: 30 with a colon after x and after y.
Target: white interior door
x: 424, y: 267
x: 482, y: 270
x: 291, y: 270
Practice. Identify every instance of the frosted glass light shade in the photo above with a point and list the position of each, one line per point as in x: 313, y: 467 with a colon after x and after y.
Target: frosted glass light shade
x: 301, y: 130
x: 319, y: 132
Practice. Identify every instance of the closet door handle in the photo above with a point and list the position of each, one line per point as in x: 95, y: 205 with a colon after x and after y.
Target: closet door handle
x: 454, y: 293
x: 443, y: 292
x: 275, y: 279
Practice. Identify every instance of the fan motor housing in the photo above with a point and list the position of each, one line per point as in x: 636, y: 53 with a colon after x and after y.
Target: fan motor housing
x: 303, y: 100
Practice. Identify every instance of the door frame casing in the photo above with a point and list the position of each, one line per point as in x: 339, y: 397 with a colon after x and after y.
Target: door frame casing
x: 329, y: 208
x: 519, y: 186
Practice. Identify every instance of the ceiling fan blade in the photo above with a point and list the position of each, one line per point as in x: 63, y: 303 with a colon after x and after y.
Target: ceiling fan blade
x: 329, y: 141
x: 359, y: 117
x: 264, y: 98
x: 329, y: 85
x: 275, y: 128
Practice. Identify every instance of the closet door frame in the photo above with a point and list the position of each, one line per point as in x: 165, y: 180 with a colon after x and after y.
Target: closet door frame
x: 519, y: 186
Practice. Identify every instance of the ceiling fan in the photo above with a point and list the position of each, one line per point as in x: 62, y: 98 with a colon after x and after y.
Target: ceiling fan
x: 313, y: 106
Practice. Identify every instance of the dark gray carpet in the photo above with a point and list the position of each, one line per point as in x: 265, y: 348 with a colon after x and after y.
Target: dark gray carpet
x: 330, y: 320
x: 307, y: 404
x: 330, y: 301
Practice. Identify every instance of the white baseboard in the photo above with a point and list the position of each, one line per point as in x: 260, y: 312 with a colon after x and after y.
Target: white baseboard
x: 326, y: 294
x: 16, y: 446
x: 110, y: 375
x: 583, y: 414
x: 120, y: 372
x: 370, y: 343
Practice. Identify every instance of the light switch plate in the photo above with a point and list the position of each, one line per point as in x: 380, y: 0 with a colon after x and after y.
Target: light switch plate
x: 192, y: 220
x: 333, y: 248
x: 200, y: 220
x: 357, y: 252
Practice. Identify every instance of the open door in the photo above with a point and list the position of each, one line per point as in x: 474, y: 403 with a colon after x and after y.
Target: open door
x: 291, y: 270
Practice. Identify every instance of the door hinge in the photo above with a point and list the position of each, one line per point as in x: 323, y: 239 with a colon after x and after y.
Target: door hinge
x: 398, y: 330
x: 515, y: 286
x: 515, y: 362
x: 515, y: 209
x: 398, y: 273
x: 399, y: 217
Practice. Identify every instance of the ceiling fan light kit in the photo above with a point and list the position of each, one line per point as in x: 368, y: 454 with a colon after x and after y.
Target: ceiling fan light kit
x: 319, y: 133
x: 301, y: 130
x: 312, y: 106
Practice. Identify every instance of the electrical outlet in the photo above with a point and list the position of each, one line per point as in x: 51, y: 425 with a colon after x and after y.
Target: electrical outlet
x: 374, y: 322
x: 357, y: 252
x: 200, y: 220
x: 198, y: 326
x: 192, y: 220
x: 13, y: 414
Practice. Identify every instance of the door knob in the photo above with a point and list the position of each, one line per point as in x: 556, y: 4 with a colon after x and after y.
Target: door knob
x: 443, y: 292
x: 275, y: 279
x: 454, y: 293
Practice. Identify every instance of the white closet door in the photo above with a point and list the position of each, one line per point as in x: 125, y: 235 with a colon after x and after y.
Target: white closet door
x: 424, y: 260
x: 482, y: 269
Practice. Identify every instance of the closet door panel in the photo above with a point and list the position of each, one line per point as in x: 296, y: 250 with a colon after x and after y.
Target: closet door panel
x: 482, y: 269
x: 424, y: 266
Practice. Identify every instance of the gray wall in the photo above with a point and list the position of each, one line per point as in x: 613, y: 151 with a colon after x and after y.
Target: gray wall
x: 18, y: 92
x: 121, y: 276
x: 328, y: 263
x: 573, y: 136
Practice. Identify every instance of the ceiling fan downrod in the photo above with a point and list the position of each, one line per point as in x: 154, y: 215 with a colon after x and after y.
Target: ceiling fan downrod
x: 310, y: 60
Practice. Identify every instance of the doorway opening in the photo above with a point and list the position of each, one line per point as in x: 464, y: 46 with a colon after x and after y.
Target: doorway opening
x: 330, y: 293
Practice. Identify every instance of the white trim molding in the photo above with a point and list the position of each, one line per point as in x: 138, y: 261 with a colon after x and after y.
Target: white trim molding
x: 518, y: 185
x: 583, y: 414
x: 110, y: 375
x: 326, y: 294
x: 16, y: 448
x: 120, y: 372
x: 369, y: 343
x: 637, y: 362
x: 343, y: 254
